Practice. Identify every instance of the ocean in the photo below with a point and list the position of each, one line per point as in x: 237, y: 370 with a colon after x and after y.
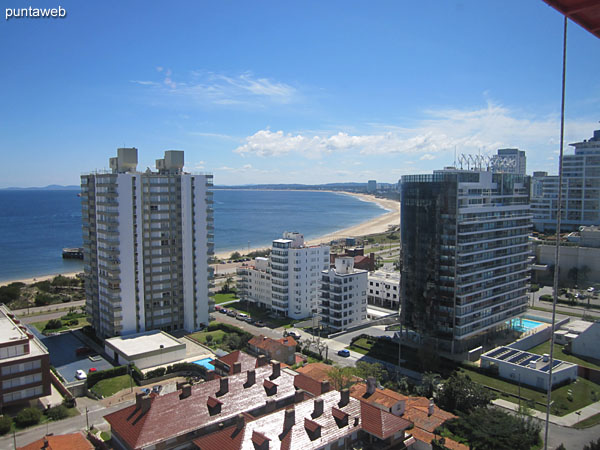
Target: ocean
x: 35, y: 225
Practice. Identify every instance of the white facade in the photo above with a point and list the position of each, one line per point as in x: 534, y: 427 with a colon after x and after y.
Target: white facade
x: 343, y: 295
x: 384, y: 289
x: 509, y: 160
x: 147, y: 240
x: 580, y: 190
x: 586, y: 344
x: 292, y: 275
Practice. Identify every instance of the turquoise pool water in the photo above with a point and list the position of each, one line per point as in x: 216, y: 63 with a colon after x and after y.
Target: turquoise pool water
x: 524, y: 325
x: 205, y: 362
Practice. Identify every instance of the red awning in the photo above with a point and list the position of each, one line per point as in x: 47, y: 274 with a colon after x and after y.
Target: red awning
x: 583, y: 12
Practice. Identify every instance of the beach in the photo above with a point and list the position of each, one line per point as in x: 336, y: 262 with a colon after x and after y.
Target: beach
x: 378, y: 224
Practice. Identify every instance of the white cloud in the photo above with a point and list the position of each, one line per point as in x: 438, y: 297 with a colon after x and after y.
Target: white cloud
x: 205, y: 87
x: 440, y: 132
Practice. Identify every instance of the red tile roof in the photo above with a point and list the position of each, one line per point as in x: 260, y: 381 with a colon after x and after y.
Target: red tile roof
x: 170, y: 416
x: 73, y: 441
x: 308, y: 384
x: 420, y: 417
x: 381, y: 423
x: 427, y: 437
x: 383, y: 397
x: 299, y: 436
x: 248, y: 362
x: 316, y: 371
x: 270, y: 346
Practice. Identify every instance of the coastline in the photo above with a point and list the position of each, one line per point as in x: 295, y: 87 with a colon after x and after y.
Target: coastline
x: 377, y: 224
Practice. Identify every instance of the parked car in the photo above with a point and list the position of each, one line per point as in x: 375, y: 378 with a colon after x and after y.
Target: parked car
x: 223, y: 310
x: 217, y: 308
x: 259, y: 323
x: 241, y: 316
x: 157, y: 388
x: 293, y: 334
x: 83, y: 351
x: 345, y: 353
x: 249, y: 319
x: 231, y: 313
x: 80, y: 374
x: 146, y: 391
x: 92, y: 370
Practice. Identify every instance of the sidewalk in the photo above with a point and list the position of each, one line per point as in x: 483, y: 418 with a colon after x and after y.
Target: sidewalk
x: 567, y: 420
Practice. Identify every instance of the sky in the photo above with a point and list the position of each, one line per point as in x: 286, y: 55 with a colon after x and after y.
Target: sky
x: 288, y: 91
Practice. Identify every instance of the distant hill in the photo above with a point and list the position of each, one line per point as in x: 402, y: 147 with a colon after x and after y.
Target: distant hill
x: 50, y: 187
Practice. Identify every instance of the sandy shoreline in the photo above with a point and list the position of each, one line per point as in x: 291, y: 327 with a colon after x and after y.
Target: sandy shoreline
x: 378, y: 224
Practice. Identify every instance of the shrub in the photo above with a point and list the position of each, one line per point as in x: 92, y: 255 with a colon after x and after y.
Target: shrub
x: 43, y: 286
x: 5, y: 424
x: 10, y: 293
x: 57, y: 412
x: 546, y: 298
x: 159, y: 372
x: 27, y: 417
x: 53, y: 324
x: 94, y: 377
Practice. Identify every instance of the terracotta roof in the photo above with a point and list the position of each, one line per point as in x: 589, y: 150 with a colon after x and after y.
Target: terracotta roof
x: 269, y: 345
x: 316, y: 371
x: 383, y: 397
x: 423, y: 420
x: 381, y: 423
x: 73, y: 441
x: 170, y: 416
x: 308, y: 384
x: 248, y: 362
x: 427, y: 437
x: 300, y: 436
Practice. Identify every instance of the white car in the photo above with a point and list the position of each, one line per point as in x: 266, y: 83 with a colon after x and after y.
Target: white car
x: 80, y: 375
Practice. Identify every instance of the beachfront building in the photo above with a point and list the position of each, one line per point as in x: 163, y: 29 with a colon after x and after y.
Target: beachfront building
x: 24, y: 362
x: 580, y: 190
x: 294, y: 269
x: 342, y: 296
x: 465, y: 255
x: 147, y: 238
x: 384, y: 289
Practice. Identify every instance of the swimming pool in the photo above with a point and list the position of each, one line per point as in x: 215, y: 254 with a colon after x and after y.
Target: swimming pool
x: 205, y: 362
x: 524, y: 325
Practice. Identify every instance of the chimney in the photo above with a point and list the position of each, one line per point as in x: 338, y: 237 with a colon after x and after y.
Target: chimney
x: 146, y: 404
x: 318, y: 408
x: 344, y: 397
x: 186, y: 391
x: 325, y: 387
x: 276, y: 369
x: 240, y: 422
x: 401, y: 407
x: 289, y: 419
x: 224, y: 386
x: 299, y: 396
x: 210, y: 375
x: 138, y: 400
x: 371, y: 383
x: 270, y: 406
x: 251, y: 378
x: 430, y: 407
x: 46, y: 443
x: 237, y: 367
x: 261, y: 361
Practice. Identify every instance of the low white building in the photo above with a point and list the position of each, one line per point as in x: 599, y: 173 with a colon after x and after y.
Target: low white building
x: 586, y: 343
x: 149, y: 349
x: 343, y: 295
x: 384, y: 289
x: 570, y: 331
x: 254, y: 283
x: 527, y: 368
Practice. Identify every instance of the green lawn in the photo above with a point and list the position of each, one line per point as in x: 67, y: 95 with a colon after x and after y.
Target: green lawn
x: 41, y: 326
x: 222, y: 298
x: 589, y: 422
x: 262, y: 314
x: 584, y: 393
x: 560, y: 354
x: 565, y: 313
x: 217, y: 337
x: 111, y: 386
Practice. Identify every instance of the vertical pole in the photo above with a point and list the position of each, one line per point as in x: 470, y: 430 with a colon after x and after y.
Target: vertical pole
x: 558, y: 218
x: 14, y: 439
x: 87, y: 419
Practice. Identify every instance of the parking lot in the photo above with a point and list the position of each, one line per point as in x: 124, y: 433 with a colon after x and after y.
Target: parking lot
x: 62, y: 350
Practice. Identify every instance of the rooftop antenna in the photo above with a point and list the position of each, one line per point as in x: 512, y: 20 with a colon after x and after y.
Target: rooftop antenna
x: 455, y: 156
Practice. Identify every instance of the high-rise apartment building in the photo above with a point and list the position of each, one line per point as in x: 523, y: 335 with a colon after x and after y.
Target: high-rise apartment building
x: 147, y: 240
x: 293, y: 273
x: 580, y: 190
x: 343, y: 295
x: 509, y: 160
x: 465, y: 255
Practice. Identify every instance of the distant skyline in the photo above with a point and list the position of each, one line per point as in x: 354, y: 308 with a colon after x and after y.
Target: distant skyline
x: 289, y: 92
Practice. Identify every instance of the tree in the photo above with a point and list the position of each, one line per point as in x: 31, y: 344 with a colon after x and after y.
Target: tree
x: 53, y: 324
x: 27, y: 417
x: 340, y: 377
x: 459, y: 393
x: 491, y: 429
x: 429, y: 381
x: 365, y: 370
x: 57, y: 412
x: 227, y: 286
x: 235, y: 255
x: 5, y: 424
x: 593, y: 445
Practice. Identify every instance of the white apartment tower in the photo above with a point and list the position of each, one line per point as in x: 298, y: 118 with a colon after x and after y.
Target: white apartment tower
x: 343, y: 295
x: 580, y: 190
x: 292, y: 276
x: 147, y: 240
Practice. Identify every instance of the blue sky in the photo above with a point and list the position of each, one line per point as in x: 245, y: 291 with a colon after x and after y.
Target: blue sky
x: 289, y: 91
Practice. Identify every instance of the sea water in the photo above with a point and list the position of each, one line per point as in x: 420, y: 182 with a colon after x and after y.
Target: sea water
x: 35, y: 225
